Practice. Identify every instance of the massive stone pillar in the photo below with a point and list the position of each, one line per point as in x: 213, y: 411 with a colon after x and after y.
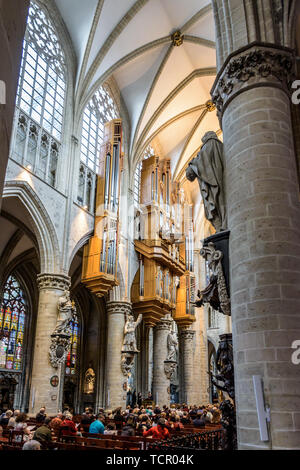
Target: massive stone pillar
x: 186, y: 350
x: 12, y: 29
x: 161, y: 383
x: 115, y: 379
x: 42, y: 393
x: 253, y: 100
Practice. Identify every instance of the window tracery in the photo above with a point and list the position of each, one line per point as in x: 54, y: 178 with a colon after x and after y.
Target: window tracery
x: 13, y: 312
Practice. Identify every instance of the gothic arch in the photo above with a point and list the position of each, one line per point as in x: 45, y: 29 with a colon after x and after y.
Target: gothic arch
x: 41, y: 223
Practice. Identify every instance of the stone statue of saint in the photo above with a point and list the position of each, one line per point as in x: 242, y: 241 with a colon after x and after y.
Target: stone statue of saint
x: 66, y: 311
x: 129, y: 342
x: 89, y: 381
x: 208, y: 167
x: 172, y: 345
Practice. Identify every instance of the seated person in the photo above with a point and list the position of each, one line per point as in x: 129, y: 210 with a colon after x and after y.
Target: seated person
x: 55, y: 423
x: 31, y: 445
x: 6, y: 417
x: 41, y: 415
x: 111, y: 429
x: 68, y: 427
x: 159, y: 432
x: 97, y: 426
x: 128, y: 429
x: 199, y: 422
x: 43, y: 434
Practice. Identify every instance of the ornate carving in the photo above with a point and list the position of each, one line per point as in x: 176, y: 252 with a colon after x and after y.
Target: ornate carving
x: 114, y: 307
x: 224, y: 363
x: 60, y: 338
x: 59, y: 349
x: 216, y: 292
x: 177, y: 38
x: 53, y: 281
x: 187, y: 335
x: 127, y: 359
x: 169, y: 367
x: 164, y: 324
x: 256, y: 64
x: 210, y: 106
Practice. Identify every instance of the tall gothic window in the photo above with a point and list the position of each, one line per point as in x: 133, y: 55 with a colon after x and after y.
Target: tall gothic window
x: 100, y: 109
x: 40, y: 98
x: 12, y: 322
x: 72, y: 357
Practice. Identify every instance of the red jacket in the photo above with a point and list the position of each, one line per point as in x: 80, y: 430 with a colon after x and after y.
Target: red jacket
x: 68, y: 428
x: 158, y: 432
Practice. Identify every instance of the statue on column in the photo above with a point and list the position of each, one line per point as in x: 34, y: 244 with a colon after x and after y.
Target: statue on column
x: 172, y: 344
x: 208, y: 167
x: 60, y: 338
x: 129, y: 342
x: 129, y: 349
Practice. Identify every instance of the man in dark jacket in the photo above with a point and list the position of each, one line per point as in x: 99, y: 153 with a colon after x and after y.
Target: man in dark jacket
x: 43, y: 434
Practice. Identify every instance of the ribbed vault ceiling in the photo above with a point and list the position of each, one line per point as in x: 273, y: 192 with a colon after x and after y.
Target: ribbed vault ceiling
x: 164, y: 87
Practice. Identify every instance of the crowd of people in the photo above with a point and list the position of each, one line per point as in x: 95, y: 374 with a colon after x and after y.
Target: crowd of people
x: 138, y: 420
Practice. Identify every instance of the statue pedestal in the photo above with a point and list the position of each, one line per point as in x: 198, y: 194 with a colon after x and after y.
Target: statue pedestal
x: 221, y: 242
x: 170, y: 367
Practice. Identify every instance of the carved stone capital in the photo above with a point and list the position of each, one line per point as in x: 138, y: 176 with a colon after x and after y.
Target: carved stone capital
x: 53, y: 281
x: 164, y: 324
x: 187, y: 335
x: 127, y: 361
x: 115, y: 307
x: 254, y: 66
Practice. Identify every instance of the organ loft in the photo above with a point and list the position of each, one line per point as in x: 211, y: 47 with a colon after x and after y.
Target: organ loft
x: 149, y: 211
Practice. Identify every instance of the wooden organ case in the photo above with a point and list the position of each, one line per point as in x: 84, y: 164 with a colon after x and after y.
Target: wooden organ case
x: 100, y: 258
x: 159, y: 286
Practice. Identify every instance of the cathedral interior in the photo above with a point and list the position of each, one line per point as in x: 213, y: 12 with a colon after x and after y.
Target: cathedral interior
x: 150, y: 213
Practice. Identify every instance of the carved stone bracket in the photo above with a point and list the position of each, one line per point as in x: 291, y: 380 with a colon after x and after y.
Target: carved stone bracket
x: 170, y: 367
x: 59, y: 349
x: 127, y: 360
x: 251, y: 67
x: 216, y: 292
x: 53, y: 281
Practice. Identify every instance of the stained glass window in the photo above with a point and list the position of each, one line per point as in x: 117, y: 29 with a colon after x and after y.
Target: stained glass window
x: 12, y: 322
x: 72, y: 357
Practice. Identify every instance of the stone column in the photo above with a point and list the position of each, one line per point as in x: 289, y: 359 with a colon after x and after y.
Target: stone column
x: 161, y: 383
x: 51, y: 287
x: 186, y: 350
x: 115, y: 379
x: 253, y: 100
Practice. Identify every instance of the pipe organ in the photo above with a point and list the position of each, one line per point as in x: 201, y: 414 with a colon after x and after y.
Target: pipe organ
x: 100, y: 258
x: 162, y: 278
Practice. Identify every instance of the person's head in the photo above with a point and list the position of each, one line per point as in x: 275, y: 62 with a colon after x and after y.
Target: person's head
x: 47, y: 421
x: 101, y: 417
x: 161, y: 422
x: 16, y: 413
x: 43, y: 410
x: 86, y: 410
x: 31, y: 445
x: 111, y: 427
x: 68, y: 415
x: 59, y: 415
x: 9, y: 414
x: 21, y: 418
